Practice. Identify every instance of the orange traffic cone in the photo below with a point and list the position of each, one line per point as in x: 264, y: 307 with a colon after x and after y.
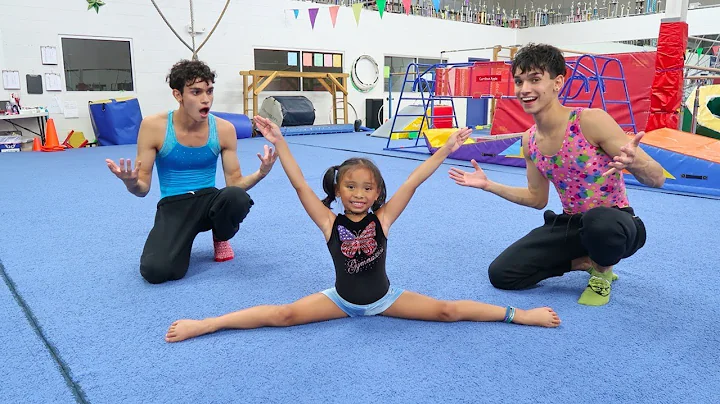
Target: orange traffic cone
x: 37, y: 146
x: 51, y: 139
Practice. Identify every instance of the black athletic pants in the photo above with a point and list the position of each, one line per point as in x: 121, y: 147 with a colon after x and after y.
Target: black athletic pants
x: 180, y: 218
x: 606, y: 235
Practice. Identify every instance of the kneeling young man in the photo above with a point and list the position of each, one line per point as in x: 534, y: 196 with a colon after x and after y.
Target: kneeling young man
x: 583, y: 152
x: 184, y: 145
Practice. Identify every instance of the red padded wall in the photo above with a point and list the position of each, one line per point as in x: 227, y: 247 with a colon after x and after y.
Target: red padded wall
x: 667, y: 93
x: 638, y: 67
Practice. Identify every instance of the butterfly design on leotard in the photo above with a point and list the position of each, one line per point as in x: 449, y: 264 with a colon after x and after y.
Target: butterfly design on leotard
x: 351, y: 244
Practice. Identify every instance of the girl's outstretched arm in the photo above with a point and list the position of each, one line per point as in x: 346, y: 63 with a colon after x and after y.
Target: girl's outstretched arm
x: 389, y: 212
x: 318, y: 212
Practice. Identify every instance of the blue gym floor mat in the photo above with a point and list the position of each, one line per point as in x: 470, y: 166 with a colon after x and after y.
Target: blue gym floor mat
x: 29, y: 371
x: 76, y: 237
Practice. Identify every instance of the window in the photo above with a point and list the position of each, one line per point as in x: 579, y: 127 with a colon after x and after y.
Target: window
x: 399, y: 65
x: 97, y: 64
x: 297, y: 61
x: 321, y: 63
x: 268, y: 59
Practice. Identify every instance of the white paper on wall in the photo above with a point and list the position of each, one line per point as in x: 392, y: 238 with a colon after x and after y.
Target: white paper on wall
x: 48, y: 55
x: 54, y: 107
x: 11, y: 79
x: 53, y: 82
x: 71, y: 109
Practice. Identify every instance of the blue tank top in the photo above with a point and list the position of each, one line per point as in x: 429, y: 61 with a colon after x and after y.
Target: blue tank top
x: 182, y: 169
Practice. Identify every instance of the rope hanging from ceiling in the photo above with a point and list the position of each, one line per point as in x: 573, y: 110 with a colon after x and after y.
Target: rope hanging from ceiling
x: 192, y: 48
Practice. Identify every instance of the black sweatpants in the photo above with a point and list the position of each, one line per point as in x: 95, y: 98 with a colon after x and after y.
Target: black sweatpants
x: 606, y: 235
x: 180, y: 218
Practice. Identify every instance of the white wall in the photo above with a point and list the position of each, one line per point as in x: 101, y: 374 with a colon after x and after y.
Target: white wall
x: 4, y: 94
x: 26, y: 26
x: 393, y: 35
x: 614, y: 29
x: 246, y: 25
x: 700, y: 22
x: 603, y: 48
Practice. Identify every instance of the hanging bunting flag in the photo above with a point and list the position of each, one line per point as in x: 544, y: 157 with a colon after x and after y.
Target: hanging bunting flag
x: 407, y: 4
x: 437, y: 5
x: 96, y: 4
x: 380, y: 6
x: 357, y: 9
x: 313, y: 14
x: 333, y: 14
x: 297, y: 13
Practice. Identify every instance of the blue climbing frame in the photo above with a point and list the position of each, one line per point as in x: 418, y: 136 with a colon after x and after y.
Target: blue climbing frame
x: 586, y: 70
x: 423, y: 77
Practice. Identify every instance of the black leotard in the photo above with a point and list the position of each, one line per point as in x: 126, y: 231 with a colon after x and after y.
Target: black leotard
x: 358, y: 250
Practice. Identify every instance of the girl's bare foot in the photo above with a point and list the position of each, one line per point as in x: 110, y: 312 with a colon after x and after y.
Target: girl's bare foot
x: 184, y: 329
x: 542, y: 316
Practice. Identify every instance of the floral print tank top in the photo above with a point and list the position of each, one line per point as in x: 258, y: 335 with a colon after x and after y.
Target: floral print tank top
x: 576, y: 171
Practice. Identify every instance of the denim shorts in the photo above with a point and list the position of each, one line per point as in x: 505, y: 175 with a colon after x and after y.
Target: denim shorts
x: 372, y: 309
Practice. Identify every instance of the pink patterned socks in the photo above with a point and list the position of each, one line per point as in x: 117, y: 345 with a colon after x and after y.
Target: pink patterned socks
x: 223, y: 251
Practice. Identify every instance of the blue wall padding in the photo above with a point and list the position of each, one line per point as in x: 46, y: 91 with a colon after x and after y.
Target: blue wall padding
x: 116, y: 122
x: 241, y: 122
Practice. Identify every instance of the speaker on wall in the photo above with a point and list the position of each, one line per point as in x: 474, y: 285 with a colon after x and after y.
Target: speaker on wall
x: 372, y: 110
